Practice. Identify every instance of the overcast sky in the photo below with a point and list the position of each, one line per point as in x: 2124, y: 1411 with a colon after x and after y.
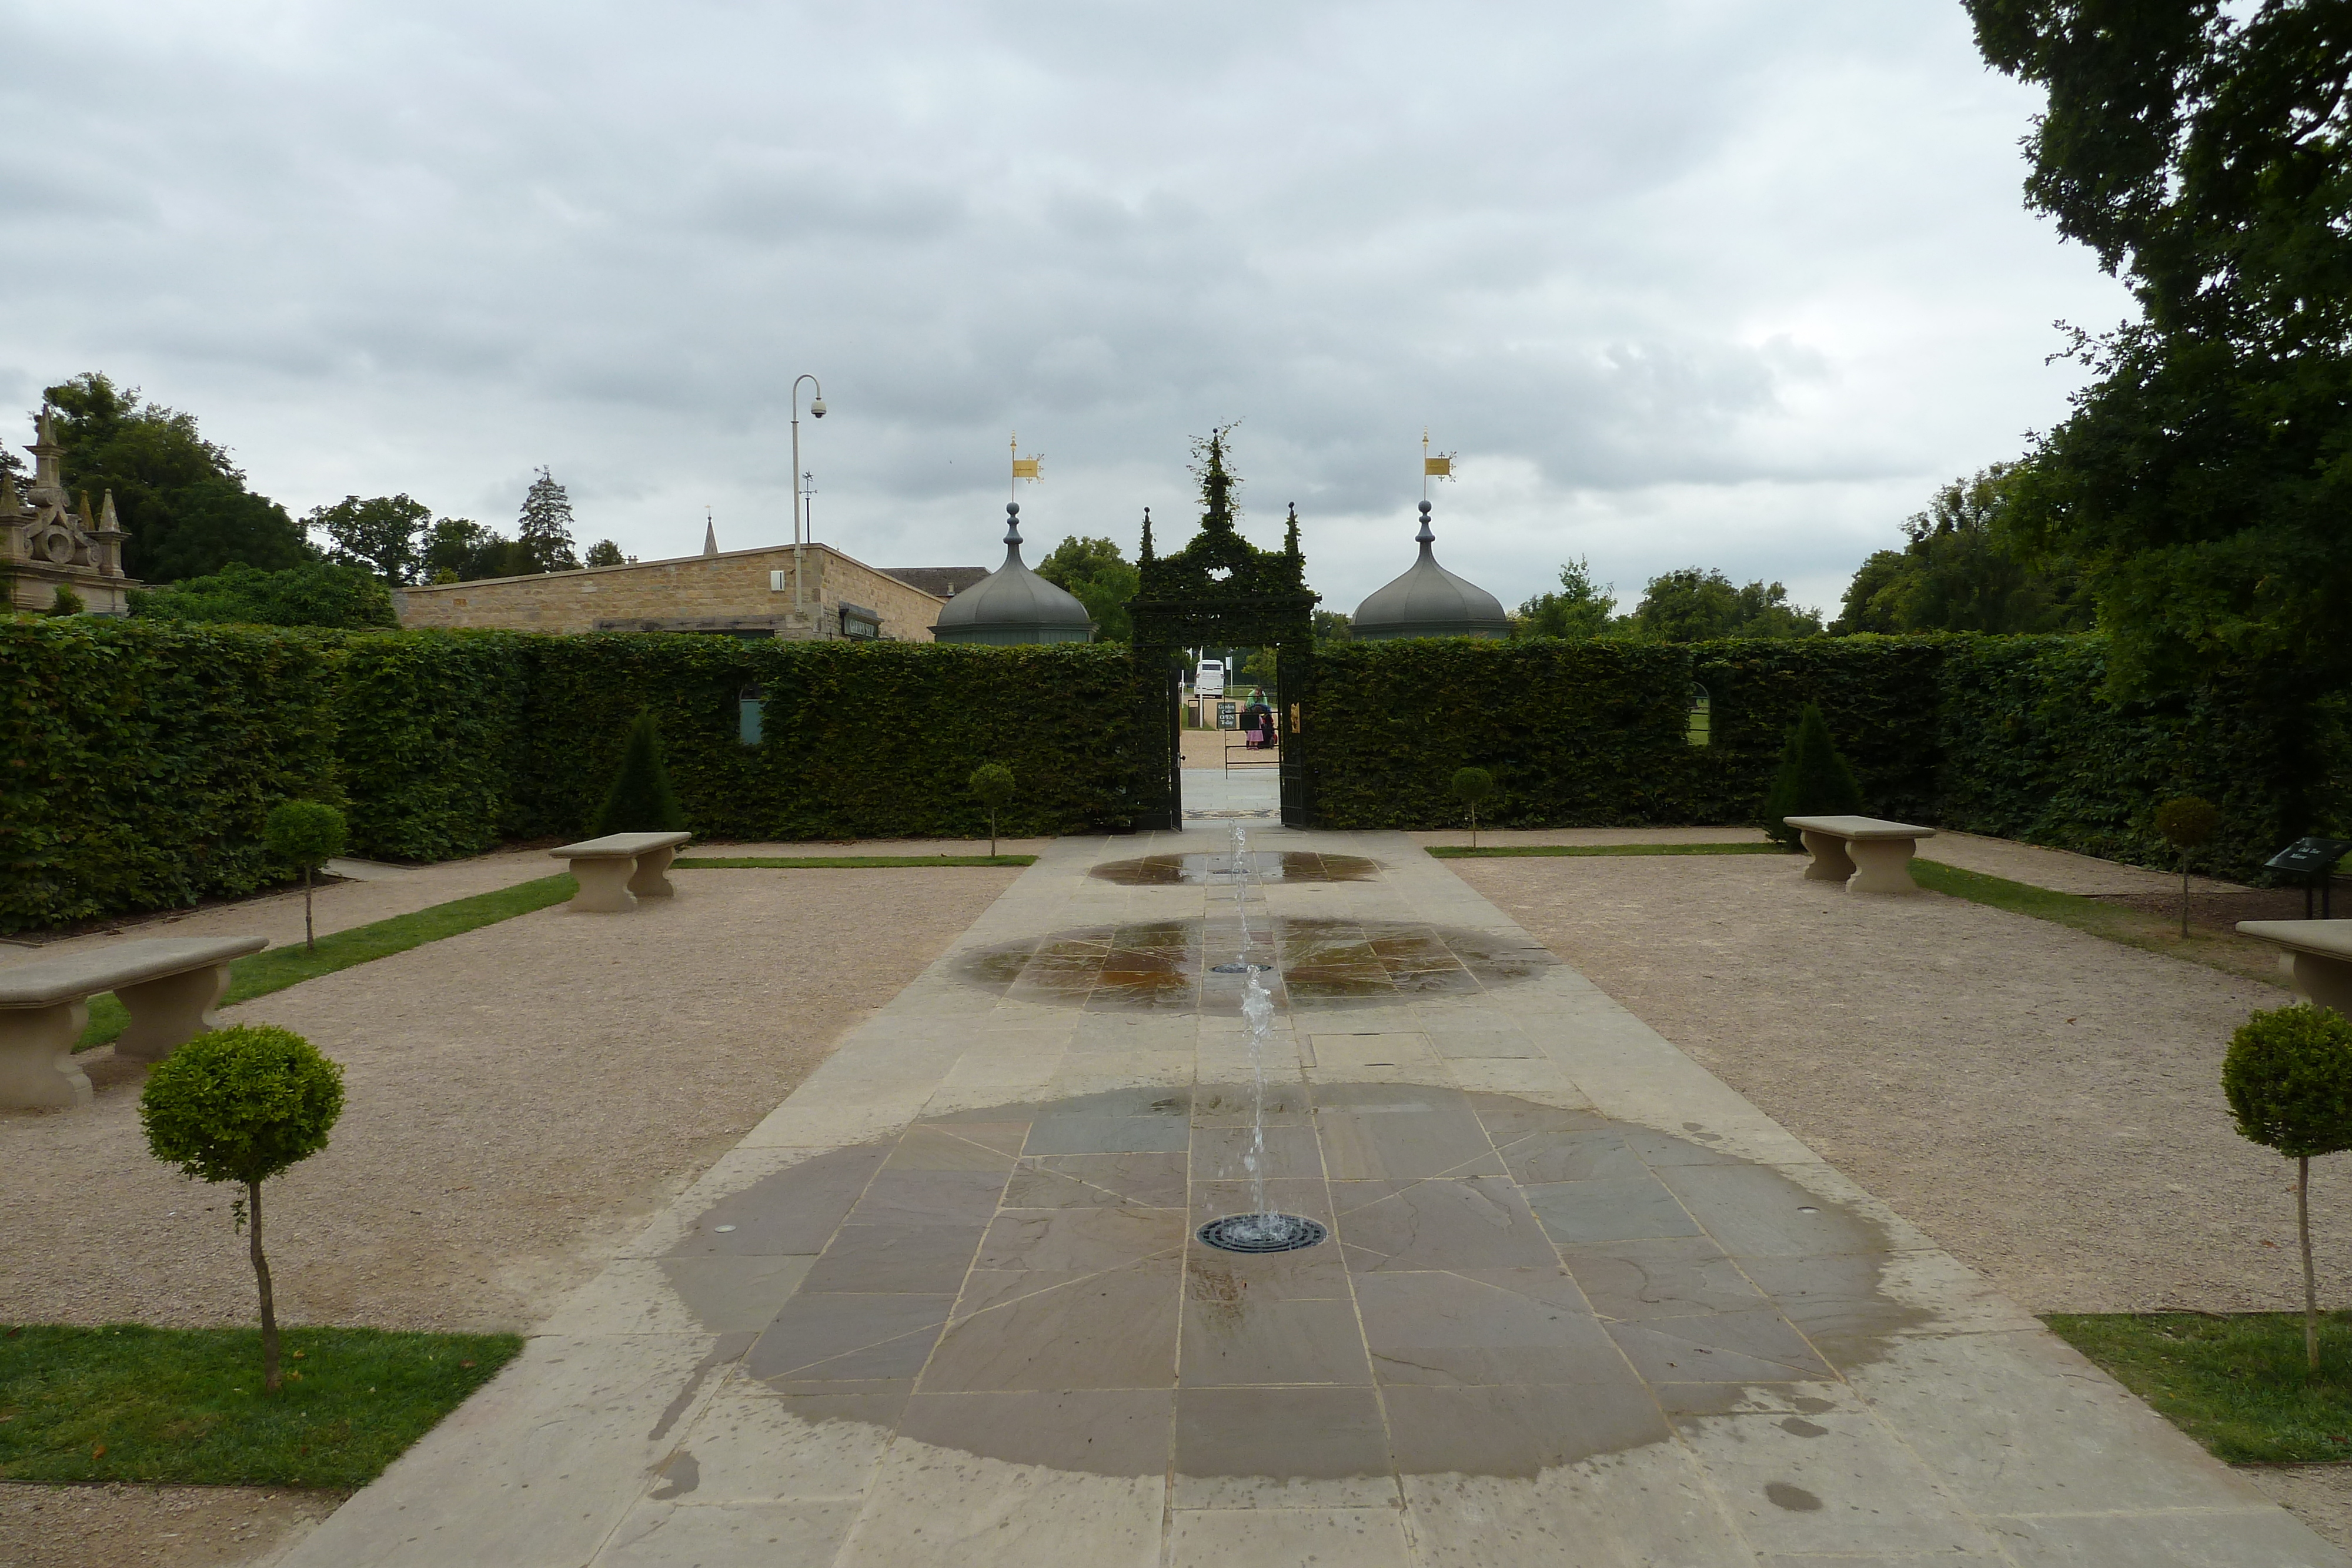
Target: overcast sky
x: 1710, y: 282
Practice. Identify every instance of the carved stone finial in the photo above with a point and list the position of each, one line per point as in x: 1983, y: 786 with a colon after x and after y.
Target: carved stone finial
x: 1426, y: 537
x: 1013, y: 522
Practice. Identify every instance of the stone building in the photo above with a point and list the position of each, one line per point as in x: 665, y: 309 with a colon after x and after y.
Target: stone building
x: 47, y: 544
x: 748, y: 594
x: 1429, y: 601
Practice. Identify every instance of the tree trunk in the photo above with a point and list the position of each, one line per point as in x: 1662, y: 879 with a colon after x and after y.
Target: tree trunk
x: 1474, y: 827
x: 2184, y: 892
x: 268, y: 1306
x: 2310, y: 1279
x: 310, y: 936
x: 992, y: 835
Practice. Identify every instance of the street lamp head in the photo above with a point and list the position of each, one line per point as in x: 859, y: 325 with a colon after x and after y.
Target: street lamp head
x: 816, y: 408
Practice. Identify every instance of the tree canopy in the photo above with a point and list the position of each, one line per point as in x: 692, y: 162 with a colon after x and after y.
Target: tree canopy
x: 1580, y: 610
x: 386, y: 534
x: 2200, y: 480
x: 1697, y: 604
x: 544, y: 530
x: 1960, y: 572
x: 1092, y: 571
x: 180, y: 499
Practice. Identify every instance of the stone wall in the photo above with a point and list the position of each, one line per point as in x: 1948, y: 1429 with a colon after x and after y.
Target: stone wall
x: 731, y: 591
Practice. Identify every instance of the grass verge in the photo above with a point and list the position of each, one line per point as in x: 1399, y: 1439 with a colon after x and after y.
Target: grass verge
x: 2236, y: 1384
x: 2121, y: 923
x: 844, y: 862
x: 184, y: 1405
x: 1510, y: 852
x: 276, y: 968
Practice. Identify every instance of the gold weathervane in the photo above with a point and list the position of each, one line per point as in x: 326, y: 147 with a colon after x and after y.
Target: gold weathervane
x: 1434, y: 465
x: 1024, y: 467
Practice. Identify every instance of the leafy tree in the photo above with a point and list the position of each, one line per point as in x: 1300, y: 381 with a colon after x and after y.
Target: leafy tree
x: 386, y: 534
x: 318, y: 593
x: 642, y: 800
x: 544, y: 530
x: 1961, y: 572
x: 307, y: 834
x: 992, y: 783
x: 2288, y: 1078
x: 2201, y: 481
x: 1581, y: 610
x: 459, y: 550
x: 181, y: 500
x: 1093, y: 572
x: 240, y: 1105
x: 1697, y: 604
x: 2188, y: 823
x: 1814, y: 780
x: 604, y: 552
x: 65, y: 602
x: 1333, y: 626
x: 1471, y: 785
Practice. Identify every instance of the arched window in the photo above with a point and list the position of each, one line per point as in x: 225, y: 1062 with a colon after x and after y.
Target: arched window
x: 1700, y: 730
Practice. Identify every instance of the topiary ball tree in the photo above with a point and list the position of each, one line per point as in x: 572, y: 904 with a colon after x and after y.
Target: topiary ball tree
x: 992, y: 783
x: 2288, y: 1078
x: 1471, y: 785
x: 2188, y: 823
x: 240, y: 1105
x: 1814, y: 780
x: 641, y: 800
x: 307, y: 833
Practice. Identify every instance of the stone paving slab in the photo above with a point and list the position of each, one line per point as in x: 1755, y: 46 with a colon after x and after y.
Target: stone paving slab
x: 1580, y: 1302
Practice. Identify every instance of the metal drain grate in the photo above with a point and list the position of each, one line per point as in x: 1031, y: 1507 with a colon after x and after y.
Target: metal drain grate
x: 1262, y: 1233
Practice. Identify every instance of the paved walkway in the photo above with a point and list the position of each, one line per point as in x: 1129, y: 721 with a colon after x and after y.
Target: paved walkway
x: 1581, y: 1304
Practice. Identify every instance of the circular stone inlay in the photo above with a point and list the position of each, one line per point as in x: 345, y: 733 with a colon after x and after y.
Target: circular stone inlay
x: 1260, y: 1233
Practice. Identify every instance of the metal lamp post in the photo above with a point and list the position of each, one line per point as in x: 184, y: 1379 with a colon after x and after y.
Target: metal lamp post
x: 816, y: 411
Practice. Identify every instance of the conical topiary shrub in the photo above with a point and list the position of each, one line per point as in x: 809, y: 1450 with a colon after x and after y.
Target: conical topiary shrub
x: 1814, y: 780
x: 642, y: 800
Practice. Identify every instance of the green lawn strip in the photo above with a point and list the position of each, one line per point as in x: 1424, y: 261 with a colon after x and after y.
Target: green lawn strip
x: 846, y: 863
x: 1511, y: 852
x: 2236, y: 1384
x: 185, y: 1405
x: 276, y: 968
x: 2231, y: 954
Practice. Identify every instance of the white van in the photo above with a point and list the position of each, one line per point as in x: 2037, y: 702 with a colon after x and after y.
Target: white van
x: 1209, y: 679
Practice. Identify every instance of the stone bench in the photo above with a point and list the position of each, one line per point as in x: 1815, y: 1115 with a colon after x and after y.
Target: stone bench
x: 169, y: 984
x: 2317, y: 956
x: 616, y: 871
x: 1866, y: 854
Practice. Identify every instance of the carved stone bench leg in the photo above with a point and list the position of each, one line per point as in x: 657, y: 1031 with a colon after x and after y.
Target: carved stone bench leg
x: 37, y: 1066
x: 604, y: 886
x: 2327, y: 981
x: 1830, y: 861
x: 650, y: 881
x: 166, y: 1014
x: 1881, y: 866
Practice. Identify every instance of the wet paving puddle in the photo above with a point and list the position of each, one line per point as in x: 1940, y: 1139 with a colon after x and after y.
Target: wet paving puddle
x: 1205, y: 870
x: 1507, y: 1287
x: 1168, y: 966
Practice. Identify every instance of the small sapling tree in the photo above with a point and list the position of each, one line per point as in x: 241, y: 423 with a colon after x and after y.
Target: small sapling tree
x: 65, y: 602
x: 641, y: 800
x: 2187, y: 824
x: 2288, y: 1078
x: 1814, y: 780
x: 992, y: 782
x: 240, y: 1105
x: 1471, y: 785
x: 308, y: 833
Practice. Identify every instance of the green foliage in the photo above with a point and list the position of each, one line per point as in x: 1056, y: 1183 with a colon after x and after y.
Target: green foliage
x: 1093, y: 572
x: 459, y: 550
x: 1697, y: 605
x: 126, y: 1403
x: 643, y: 800
x: 1581, y: 609
x: 2238, y: 1384
x: 2188, y: 822
x: 306, y: 834
x: 604, y: 552
x: 181, y: 500
x: 427, y: 740
x: 1472, y: 785
x: 314, y: 593
x: 65, y: 602
x: 1333, y: 626
x: 384, y: 534
x: 2201, y: 478
x: 543, y: 532
x: 991, y: 784
x: 1814, y: 780
x: 240, y: 1104
x: 1961, y: 572
x: 2288, y: 1078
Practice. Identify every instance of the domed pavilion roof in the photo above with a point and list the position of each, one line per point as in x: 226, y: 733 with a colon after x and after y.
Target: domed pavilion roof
x: 1013, y: 604
x: 1430, y: 601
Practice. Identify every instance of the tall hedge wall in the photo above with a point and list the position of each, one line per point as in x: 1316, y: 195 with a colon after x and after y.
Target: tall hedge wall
x: 140, y: 758
x: 2006, y: 736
